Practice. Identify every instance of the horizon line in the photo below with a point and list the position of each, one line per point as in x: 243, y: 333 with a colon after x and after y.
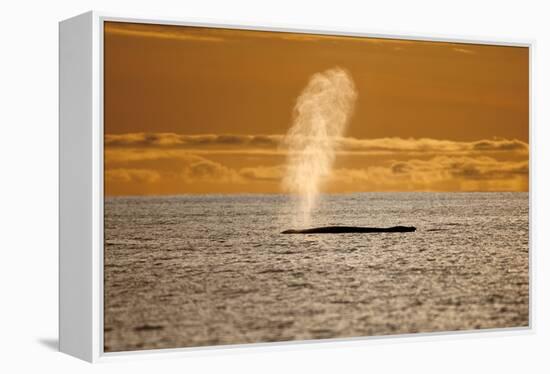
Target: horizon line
x: 110, y: 196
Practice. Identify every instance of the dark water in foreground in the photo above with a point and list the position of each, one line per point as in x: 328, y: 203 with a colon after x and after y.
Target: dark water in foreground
x: 213, y: 269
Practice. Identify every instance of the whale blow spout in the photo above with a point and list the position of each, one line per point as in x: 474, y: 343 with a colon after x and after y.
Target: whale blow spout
x: 350, y: 229
x: 320, y: 118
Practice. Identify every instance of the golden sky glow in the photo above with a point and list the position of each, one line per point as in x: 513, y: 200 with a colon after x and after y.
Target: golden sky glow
x: 203, y: 110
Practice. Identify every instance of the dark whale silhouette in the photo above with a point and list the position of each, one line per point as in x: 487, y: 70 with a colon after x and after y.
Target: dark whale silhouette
x: 350, y: 229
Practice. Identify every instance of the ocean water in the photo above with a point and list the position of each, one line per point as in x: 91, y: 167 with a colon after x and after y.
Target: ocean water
x: 196, y: 270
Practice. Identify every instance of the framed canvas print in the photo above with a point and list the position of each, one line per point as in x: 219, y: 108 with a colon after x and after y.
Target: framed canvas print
x: 224, y: 185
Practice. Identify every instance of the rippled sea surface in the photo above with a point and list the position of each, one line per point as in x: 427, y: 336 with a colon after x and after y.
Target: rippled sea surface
x: 200, y: 270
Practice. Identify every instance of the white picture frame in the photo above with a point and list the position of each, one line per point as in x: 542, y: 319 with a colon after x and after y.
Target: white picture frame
x: 81, y: 186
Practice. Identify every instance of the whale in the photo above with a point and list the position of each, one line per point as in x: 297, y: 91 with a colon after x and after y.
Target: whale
x: 350, y: 229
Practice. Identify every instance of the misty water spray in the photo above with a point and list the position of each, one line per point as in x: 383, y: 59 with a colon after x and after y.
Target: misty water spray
x: 320, y: 118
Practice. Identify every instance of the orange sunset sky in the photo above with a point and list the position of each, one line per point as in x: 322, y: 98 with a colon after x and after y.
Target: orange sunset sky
x: 203, y: 110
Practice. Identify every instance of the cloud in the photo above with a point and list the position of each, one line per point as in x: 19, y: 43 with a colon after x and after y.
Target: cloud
x: 203, y: 170
x: 188, y: 169
x: 131, y: 175
x: 427, y: 145
x: 440, y: 173
x: 161, y: 32
x: 235, y: 35
x: 216, y: 34
x: 196, y: 161
x: 263, y: 173
x: 171, y: 140
x: 486, y: 169
x: 272, y: 144
x: 344, y: 37
x: 464, y: 51
x: 500, y: 145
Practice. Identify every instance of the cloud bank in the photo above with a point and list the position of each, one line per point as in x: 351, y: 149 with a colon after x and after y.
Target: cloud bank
x: 273, y: 144
x: 177, y: 163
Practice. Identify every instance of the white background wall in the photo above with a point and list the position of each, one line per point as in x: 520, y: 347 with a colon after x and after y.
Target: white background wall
x: 28, y: 188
